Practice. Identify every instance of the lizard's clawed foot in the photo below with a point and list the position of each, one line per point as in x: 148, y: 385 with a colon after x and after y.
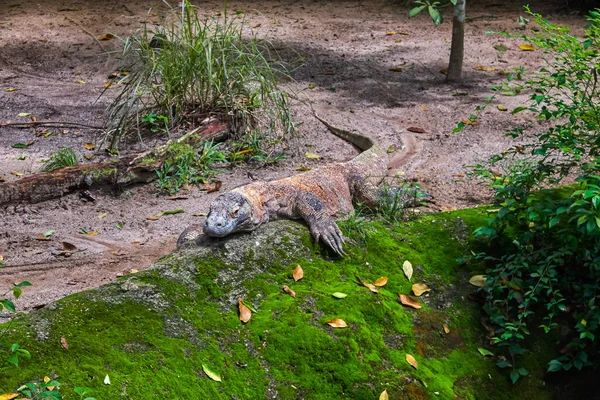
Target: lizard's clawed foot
x: 328, y: 232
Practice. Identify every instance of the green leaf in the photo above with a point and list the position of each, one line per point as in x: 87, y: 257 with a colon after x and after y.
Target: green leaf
x: 212, y: 375
x: 9, y: 305
x: 339, y: 295
x: 500, y: 47
x: 484, y: 352
x: 415, y: 11
x: 171, y: 212
x: 436, y: 17
x: 523, y: 372
x: 453, y: 2
x: 514, y: 376
x: 518, y: 109
x: 49, y: 233
x: 23, y: 284
x: 19, y: 146
x: 554, y: 366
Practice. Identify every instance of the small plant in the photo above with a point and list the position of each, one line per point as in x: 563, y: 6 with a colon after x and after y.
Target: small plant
x: 62, y: 158
x: 185, y: 165
x: 10, y: 353
x: 192, y: 67
x: 547, y: 274
x: 252, y: 148
x: 395, y: 201
x: 356, y: 224
x: 157, y: 123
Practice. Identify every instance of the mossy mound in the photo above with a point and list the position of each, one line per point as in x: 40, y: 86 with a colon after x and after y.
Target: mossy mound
x: 151, y: 332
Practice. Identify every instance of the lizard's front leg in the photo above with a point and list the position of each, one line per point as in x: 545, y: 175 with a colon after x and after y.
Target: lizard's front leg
x: 322, y: 226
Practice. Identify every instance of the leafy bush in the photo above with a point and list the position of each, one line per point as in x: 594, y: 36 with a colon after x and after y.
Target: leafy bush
x: 192, y: 67
x: 546, y: 242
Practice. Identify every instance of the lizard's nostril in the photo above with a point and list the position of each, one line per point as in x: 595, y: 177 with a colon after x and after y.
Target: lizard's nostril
x: 219, y: 224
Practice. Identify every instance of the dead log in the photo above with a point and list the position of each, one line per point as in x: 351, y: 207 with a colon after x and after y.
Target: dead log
x: 123, y: 171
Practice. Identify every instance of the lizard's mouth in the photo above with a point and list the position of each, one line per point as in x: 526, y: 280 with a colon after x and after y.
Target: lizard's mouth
x: 219, y: 227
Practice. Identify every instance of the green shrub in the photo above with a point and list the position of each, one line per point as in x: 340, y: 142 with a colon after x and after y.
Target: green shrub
x: 545, y: 252
x: 192, y: 67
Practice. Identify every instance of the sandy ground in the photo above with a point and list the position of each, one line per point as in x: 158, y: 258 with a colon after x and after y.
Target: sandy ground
x: 50, y: 53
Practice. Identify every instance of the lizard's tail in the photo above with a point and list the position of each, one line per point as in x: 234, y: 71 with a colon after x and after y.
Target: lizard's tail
x: 361, y: 141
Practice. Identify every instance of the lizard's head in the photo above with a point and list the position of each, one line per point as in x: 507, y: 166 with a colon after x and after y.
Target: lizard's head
x: 229, y: 213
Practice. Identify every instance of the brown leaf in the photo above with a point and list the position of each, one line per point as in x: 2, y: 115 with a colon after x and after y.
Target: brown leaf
x: 396, y: 69
x: 92, y: 233
x: 216, y: 188
x: 384, y: 395
x: 415, y: 129
x: 420, y: 288
x: 43, y: 238
x: 469, y: 122
x: 178, y: 197
x: 64, y: 343
x: 391, y: 33
x: 337, y: 323
x: 108, y: 36
x: 17, y: 173
x: 446, y: 329
x: 118, y: 252
x: 152, y: 218
x: 411, y: 360
x: 256, y: 26
x: 381, y: 281
x: 486, y: 69
x: 371, y: 287
x: 2, y: 179
x: 289, y: 291
x: 245, y: 313
x: 409, y: 301
x: 328, y: 72
x: 298, y: 273
x: 89, y: 146
x: 444, y: 71
x: 68, y: 246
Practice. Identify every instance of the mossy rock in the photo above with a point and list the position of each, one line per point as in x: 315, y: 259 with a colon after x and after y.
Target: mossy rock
x: 153, y: 331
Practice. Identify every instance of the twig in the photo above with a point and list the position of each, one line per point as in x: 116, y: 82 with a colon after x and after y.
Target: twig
x: 50, y: 123
x: 88, y: 32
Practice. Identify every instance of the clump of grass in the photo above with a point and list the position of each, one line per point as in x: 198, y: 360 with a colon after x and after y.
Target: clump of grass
x: 192, y: 67
x: 61, y: 158
x: 397, y: 199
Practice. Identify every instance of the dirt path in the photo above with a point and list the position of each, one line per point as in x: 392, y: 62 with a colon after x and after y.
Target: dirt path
x: 49, y: 53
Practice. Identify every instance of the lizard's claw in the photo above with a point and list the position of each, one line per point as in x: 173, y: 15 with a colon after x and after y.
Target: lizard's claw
x: 330, y: 233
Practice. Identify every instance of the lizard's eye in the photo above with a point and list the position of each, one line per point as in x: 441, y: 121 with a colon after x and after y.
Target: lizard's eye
x: 235, y: 212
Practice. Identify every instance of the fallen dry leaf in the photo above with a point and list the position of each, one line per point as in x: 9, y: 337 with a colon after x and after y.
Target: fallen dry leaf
x: 134, y: 271
x: 17, y: 173
x: 289, y: 291
x: 420, y: 288
x: 312, y: 155
x: 446, y: 329
x: 397, y: 69
x: 415, y: 129
x: 80, y: 81
x: 371, y: 287
x: 384, y: 395
x: 152, y: 218
x: 487, y: 69
x: 469, y: 122
x: 526, y: 47
x: 409, y: 301
x: 92, y: 233
x: 89, y: 146
x: 411, y: 360
x: 502, y: 107
x: 64, y: 343
x: 408, y: 269
x: 391, y: 33
x: 245, y: 313
x: 216, y: 188
x: 478, y: 280
x: 10, y: 89
x: 108, y: 36
x: 423, y: 108
x: 8, y: 396
x: 328, y: 73
x: 24, y: 114
x: 43, y: 238
x: 392, y: 148
x: 298, y: 273
x: 337, y: 323
x: 381, y: 281
x: 68, y: 246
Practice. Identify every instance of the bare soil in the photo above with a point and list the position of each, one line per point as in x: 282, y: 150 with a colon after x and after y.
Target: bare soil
x: 50, y: 52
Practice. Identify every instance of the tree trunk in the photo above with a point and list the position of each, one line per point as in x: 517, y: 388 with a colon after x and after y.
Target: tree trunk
x: 124, y: 171
x: 458, y: 43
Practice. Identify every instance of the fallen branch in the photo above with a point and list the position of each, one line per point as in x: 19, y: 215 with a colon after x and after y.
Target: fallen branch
x: 124, y: 171
x: 50, y: 123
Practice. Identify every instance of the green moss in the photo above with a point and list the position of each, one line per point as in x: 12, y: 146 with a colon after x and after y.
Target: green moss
x: 152, y: 332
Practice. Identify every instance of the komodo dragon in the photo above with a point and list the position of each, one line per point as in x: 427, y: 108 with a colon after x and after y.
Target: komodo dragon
x: 316, y: 196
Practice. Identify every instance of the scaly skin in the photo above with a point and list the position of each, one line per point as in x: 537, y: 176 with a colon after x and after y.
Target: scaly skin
x: 316, y: 196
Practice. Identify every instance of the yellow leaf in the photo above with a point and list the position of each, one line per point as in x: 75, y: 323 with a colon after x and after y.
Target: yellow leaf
x: 423, y: 108
x: 312, y: 86
x: 371, y: 287
x: 420, y: 288
x: 312, y: 155
x: 17, y: 173
x: 487, y: 69
x: 391, y: 33
x: 134, y: 271
x: 408, y: 269
x: 409, y: 301
x: 446, y: 329
x: 92, y: 233
x: 1, y: 258
x: 245, y: 313
x: 89, y: 146
x: 502, y: 107
x: 384, y: 395
x: 152, y: 218
x: 583, y: 322
x: 289, y: 291
x: 381, y: 281
x: 10, y: 89
x: 80, y: 81
x: 108, y: 36
x: 478, y: 280
x: 24, y: 114
x: 526, y: 47
x: 411, y: 360
x: 337, y: 323
x: 298, y: 273
x: 303, y: 169
x: 8, y: 396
